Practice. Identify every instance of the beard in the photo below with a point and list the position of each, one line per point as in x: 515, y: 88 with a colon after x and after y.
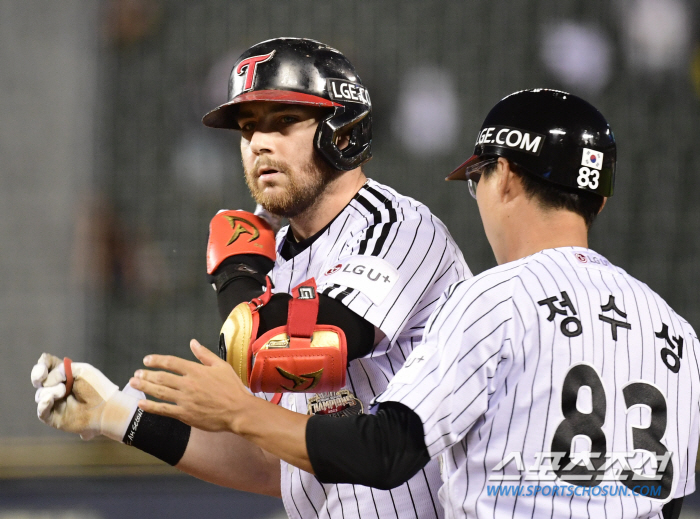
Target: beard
x: 302, y: 191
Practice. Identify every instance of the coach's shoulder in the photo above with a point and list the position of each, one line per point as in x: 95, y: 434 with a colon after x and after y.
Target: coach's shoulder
x: 498, y: 282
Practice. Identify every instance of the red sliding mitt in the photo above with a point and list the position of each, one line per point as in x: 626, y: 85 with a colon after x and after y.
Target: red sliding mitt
x: 238, y: 232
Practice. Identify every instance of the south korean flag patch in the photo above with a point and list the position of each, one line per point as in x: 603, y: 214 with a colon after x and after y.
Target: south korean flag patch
x: 592, y: 159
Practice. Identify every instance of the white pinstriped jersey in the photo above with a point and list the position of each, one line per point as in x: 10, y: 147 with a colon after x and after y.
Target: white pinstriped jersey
x: 552, y: 386
x: 389, y: 260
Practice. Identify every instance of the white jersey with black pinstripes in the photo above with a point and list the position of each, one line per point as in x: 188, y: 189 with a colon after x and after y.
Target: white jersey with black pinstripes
x: 389, y: 260
x: 552, y: 386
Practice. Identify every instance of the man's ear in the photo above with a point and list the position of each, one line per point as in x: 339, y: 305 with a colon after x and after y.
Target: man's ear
x: 605, y: 201
x: 509, y: 184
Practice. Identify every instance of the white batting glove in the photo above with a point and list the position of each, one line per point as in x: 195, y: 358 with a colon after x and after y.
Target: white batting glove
x: 94, y: 406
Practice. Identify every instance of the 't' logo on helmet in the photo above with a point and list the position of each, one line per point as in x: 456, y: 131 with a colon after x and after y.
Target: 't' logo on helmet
x: 250, y: 65
x: 242, y: 226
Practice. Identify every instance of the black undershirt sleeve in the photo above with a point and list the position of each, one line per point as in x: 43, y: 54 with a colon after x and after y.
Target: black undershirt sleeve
x: 381, y: 451
x: 239, y: 280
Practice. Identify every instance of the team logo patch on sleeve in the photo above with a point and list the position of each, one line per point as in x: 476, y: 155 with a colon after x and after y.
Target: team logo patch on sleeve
x: 339, y: 403
x: 370, y: 275
x: 414, y: 364
x: 592, y: 259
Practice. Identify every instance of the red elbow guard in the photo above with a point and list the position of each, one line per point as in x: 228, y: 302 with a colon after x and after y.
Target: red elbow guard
x: 299, y: 357
x: 238, y: 232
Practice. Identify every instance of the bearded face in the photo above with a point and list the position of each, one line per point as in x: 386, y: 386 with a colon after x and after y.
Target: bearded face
x: 284, y: 173
x: 287, y: 191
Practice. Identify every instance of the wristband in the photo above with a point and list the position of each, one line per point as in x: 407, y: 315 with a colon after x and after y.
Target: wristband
x: 160, y: 436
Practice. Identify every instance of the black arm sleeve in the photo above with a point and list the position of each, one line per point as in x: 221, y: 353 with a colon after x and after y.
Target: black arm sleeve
x: 381, y: 451
x: 672, y: 509
x: 359, y: 333
x: 241, y: 278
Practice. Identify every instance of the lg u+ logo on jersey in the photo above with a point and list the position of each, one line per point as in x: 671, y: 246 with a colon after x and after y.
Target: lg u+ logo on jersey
x: 374, y: 277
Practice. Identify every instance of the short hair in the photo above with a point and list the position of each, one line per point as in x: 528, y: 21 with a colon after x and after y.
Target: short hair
x: 554, y: 196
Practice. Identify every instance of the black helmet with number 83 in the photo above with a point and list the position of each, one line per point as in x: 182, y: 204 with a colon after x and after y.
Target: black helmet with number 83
x: 553, y: 135
x: 303, y: 71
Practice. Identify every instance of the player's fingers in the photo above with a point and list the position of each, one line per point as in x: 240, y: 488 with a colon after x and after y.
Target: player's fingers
x: 155, y: 390
x: 161, y: 378
x: 45, y: 399
x: 41, y: 370
x: 55, y: 376
x: 203, y: 354
x: 39, y: 374
x: 54, y: 392
x: 161, y: 408
x: 50, y: 361
x: 169, y: 363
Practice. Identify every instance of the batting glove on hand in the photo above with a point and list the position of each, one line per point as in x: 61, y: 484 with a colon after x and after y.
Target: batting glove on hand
x: 94, y: 406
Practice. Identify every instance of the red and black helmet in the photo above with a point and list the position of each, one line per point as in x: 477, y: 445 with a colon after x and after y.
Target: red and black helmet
x: 553, y: 135
x: 303, y: 71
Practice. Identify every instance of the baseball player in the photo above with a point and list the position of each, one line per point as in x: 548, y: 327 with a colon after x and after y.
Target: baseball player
x: 352, y: 281
x: 554, y: 385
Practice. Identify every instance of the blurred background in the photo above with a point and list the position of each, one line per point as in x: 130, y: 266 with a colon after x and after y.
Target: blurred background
x: 108, y: 180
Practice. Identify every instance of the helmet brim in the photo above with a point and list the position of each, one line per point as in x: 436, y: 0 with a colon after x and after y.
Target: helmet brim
x: 461, y: 172
x: 224, y: 116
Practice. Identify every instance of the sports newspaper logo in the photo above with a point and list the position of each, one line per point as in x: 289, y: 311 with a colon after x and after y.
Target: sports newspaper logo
x: 641, y: 465
x: 584, y: 474
x: 653, y: 491
x: 341, y: 90
x: 506, y: 137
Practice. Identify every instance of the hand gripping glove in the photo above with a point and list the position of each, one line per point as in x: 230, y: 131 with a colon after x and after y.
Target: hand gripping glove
x: 238, y: 232
x: 93, y: 406
x: 299, y: 357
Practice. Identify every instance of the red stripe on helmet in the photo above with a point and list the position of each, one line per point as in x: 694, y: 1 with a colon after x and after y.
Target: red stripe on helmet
x: 223, y: 116
x: 283, y: 96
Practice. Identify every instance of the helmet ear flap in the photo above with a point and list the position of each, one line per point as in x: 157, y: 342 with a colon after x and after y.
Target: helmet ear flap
x: 358, y: 151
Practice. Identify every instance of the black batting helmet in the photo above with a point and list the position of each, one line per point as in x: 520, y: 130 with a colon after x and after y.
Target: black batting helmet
x: 303, y: 71
x: 553, y: 135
